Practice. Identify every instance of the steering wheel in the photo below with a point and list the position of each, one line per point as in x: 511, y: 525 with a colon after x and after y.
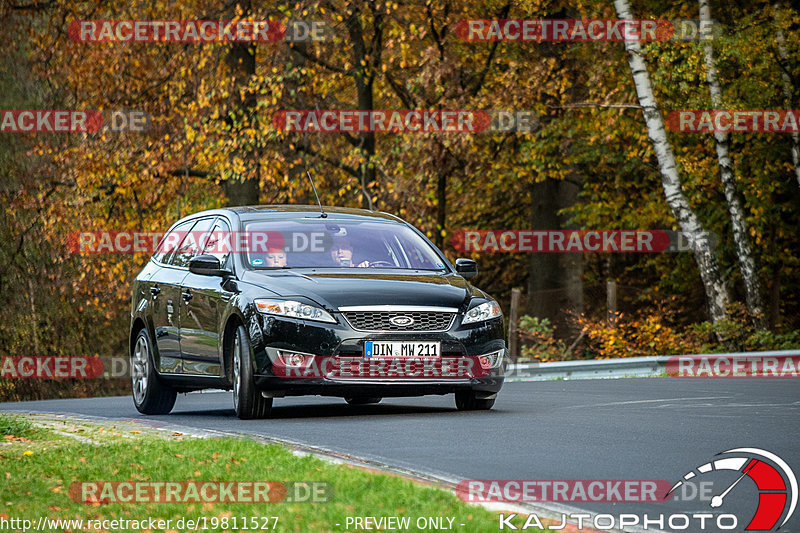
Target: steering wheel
x: 380, y: 263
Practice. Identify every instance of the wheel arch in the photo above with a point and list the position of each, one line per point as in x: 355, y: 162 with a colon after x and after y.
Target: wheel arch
x: 137, y: 325
x: 233, y: 321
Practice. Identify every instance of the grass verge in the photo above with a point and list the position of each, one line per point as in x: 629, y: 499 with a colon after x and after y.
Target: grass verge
x: 37, y: 471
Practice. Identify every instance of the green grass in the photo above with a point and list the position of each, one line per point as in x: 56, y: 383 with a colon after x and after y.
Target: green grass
x: 35, y: 477
x: 16, y: 426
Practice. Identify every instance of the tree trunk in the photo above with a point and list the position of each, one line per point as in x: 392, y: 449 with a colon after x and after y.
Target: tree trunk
x: 747, y: 265
x: 716, y: 292
x: 774, y: 303
x: 544, y: 282
x: 441, y: 207
x: 787, y: 89
x: 571, y: 264
x: 243, y: 190
x: 299, y: 147
x: 555, y: 282
x: 364, y: 78
x: 513, y: 320
x: 443, y: 170
x: 611, y: 302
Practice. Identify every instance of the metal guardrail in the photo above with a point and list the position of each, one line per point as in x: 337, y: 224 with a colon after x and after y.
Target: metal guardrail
x: 616, y: 368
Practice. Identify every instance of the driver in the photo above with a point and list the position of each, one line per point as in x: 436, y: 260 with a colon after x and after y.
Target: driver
x: 342, y: 253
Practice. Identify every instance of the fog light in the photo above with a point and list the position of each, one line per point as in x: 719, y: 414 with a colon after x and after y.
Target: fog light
x: 293, y: 360
x: 296, y: 359
x: 491, y: 359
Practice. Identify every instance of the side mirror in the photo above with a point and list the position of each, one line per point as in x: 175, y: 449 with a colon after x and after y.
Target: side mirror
x: 467, y: 268
x: 206, y: 265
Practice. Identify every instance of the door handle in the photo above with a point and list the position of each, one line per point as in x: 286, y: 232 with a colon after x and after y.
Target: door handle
x: 155, y: 290
x: 186, y: 296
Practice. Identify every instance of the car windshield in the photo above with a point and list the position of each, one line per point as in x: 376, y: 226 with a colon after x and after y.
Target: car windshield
x: 336, y: 244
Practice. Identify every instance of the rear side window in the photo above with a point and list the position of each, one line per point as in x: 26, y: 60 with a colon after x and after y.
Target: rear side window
x: 169, y: 243
x: 218, y: 242
x: 191, y: 243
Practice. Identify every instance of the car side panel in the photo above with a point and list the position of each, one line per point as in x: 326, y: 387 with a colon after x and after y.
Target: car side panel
x: 199, y: 319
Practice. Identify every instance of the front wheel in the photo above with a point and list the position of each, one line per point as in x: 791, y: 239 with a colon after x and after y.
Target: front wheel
x: 468, y: 401
x: 247, y: 401
x: 150, y: 396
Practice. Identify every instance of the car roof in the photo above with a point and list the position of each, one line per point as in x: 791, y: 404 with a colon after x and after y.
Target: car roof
x: 252, y: 212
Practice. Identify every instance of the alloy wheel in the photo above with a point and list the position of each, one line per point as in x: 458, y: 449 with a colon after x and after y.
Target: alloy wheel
x: 139, y: 369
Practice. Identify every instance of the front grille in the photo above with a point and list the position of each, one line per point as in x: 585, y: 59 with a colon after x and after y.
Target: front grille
x: 380, y: 320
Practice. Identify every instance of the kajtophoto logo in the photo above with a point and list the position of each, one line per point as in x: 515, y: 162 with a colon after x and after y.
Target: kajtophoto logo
x: 773, y: 497
x: 775, y: 481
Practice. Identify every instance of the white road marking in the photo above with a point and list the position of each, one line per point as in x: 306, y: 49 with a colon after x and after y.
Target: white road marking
x: 649, y: 401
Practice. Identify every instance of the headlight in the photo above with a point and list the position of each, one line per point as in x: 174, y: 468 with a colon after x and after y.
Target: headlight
x: 482, y: 312
x: 293, y: 309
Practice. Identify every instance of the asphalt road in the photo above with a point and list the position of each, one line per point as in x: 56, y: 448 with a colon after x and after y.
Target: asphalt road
x: 651, y: 428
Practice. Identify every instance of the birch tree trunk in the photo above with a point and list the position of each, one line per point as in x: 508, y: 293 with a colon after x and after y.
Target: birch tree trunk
x: 747, y: 265
x: 716, y: 292
x: 787, y: 89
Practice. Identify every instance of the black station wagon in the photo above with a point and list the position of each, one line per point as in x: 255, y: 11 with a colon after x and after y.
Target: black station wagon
x: 276, y: 301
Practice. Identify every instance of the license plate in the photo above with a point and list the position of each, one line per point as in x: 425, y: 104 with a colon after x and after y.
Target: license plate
x: 401, y: 349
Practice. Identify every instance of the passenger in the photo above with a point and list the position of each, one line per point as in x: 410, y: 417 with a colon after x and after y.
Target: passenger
x: 275, y: 257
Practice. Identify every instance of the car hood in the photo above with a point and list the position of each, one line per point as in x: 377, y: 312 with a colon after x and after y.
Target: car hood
x: 334, y: 290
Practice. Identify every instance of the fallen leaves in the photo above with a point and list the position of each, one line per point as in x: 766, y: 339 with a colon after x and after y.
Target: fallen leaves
x: 12, y: 438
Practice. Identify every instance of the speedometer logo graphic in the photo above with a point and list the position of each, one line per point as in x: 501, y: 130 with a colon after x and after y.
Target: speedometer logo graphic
x: 776, y: 483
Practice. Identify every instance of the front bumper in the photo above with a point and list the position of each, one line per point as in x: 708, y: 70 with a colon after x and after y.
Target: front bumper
x: 272, y: 335
x: 277, y: 387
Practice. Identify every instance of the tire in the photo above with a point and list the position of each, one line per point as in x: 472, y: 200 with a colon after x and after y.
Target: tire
x: 150, y: 395
x: 362, y: 400
x: 247, y: 401
x: 467, y: 401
